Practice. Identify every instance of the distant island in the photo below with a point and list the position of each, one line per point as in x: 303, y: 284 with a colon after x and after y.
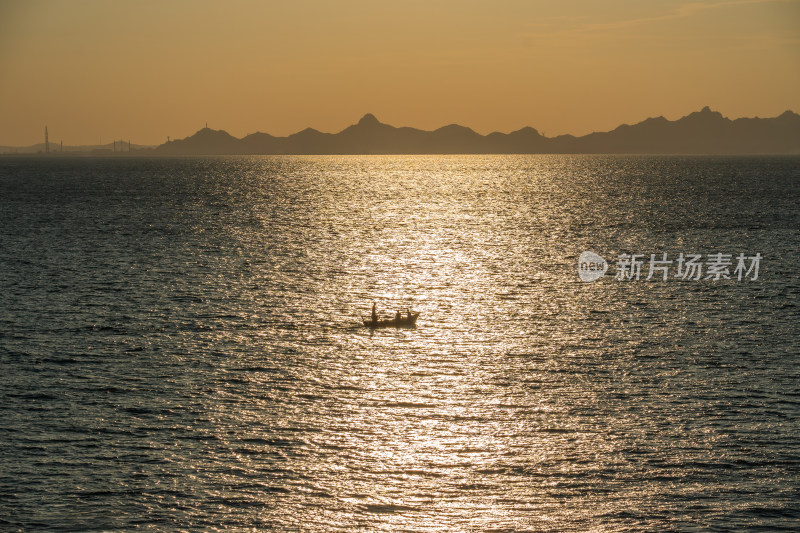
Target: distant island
x: 701, y: 132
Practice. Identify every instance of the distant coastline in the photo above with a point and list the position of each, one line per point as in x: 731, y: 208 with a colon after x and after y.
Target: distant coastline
x: 701, y: 132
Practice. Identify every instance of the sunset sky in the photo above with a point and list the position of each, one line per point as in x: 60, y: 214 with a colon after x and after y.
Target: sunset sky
x: 143, y: 70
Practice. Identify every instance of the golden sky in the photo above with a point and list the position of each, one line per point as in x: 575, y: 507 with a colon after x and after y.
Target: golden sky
x: 143, y: 70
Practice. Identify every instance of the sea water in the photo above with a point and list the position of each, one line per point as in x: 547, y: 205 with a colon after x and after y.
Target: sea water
x: 181, y: 343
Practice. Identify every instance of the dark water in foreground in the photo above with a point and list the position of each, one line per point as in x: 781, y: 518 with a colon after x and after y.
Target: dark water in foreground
x: 179, y: 344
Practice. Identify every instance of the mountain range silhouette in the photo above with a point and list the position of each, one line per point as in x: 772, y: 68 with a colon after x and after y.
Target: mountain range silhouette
x: 701, y: 132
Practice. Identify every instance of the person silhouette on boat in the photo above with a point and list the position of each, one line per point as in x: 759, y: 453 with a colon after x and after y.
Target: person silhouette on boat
x: 408, y: 312
x: 397, y: 316
x: 374, y: 313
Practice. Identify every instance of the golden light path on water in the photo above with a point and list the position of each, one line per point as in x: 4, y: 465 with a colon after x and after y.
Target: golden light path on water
x: 426, y: 423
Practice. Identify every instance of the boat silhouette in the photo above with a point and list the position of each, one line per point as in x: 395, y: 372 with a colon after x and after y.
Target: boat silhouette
x: 408, y: 321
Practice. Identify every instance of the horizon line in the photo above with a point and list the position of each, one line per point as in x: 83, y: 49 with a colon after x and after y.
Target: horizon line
x: 370, y: 116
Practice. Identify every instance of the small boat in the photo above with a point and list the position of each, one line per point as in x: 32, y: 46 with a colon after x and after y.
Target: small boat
x: 408, y: 321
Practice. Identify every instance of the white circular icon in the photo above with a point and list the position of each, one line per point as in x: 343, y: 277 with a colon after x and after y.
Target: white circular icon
x: 591, y: 266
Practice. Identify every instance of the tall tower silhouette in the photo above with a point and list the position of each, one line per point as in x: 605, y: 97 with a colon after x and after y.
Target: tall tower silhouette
x: 46, y: 142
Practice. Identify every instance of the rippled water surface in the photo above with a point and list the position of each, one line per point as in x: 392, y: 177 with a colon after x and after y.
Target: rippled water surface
x: 180, y: 344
